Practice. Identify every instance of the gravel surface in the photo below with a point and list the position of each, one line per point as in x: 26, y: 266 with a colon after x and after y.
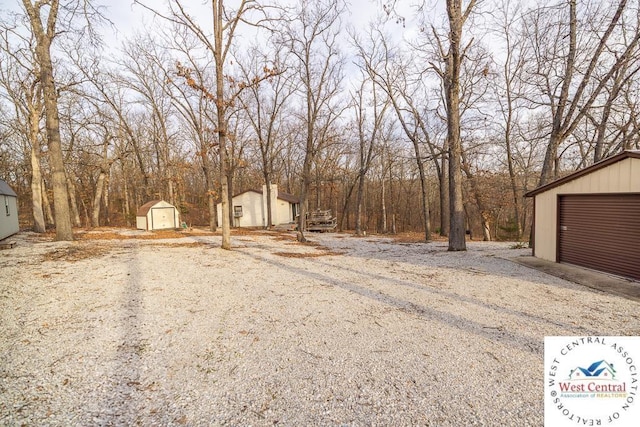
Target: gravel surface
x: 346, y: 331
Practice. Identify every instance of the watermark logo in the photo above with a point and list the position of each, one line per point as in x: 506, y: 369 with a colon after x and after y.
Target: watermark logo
x: 591, y: 381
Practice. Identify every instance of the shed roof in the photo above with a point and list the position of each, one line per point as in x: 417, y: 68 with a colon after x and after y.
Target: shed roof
x: 635, y: 154
x: 5, y: 190
x: 144, y: 209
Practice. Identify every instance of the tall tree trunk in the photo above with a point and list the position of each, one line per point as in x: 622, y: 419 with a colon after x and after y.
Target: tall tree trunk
x: 100, y: 185
x: 425, y: 201
x: 452, y: 94
x: 47, y: 205
x: 485, y: 214
x: 39, y: 225
x: 550, y: 159
x: 211, y: 193
x: 383, y: 208
x: 267, y: 180
x: 213, y: 211
x: 393, y: 203
x: 105, y: 197
x: 97, y: 200
x: 444, y: 195
x: 218, y: 28
x: 171, y: 189
x: 229, y: 179
x: 346, y: 208
x: 512, y: 173
x: 127, y: 212
x: 304, y: 198
x: 71, y: 187
x: 359, y: 196
x: 43, y: 38
x: 318, y: 203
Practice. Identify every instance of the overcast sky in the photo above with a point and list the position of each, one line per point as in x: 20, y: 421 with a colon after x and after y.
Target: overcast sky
x: 128, y: 17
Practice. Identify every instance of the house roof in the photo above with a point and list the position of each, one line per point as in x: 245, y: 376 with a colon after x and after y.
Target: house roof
x: 281, y: 195
x: 634, y: 154
x: 5, y: 190
x: 144, y: 209
x: 288, y: 197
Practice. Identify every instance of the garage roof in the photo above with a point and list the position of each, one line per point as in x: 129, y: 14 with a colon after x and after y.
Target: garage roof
x: 594, y: 167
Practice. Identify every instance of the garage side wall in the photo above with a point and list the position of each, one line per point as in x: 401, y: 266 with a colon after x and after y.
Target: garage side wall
x: 620, y: 177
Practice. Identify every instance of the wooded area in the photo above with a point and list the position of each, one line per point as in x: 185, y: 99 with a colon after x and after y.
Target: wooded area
x: 437, y: 122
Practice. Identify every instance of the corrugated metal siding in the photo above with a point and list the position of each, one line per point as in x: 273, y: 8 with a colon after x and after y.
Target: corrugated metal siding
x: 601, y: 231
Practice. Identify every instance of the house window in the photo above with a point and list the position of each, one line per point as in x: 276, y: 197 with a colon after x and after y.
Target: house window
x: 237, y: 211
x: 6, y: 205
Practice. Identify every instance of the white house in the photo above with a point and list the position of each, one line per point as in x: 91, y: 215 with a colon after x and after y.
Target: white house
x: 250, y: 208
x: 157, y: 215
x: 9, y: 215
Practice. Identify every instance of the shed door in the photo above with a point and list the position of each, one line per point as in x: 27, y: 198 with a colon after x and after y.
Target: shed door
x: 601, y: 231
x: 162, y: 218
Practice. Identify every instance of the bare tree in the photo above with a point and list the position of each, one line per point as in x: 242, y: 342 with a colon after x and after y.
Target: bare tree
x: 144, y: 78
x: 196, y: 111
x: 508, y: 93
x: 408, y: 97
x: 266, y: 106
x: 20, y: 79
x: 575, y: 56
x: 225, y: 24
x: 313, y: 40
x: 451, y: 78
x: 43, y: 22
x: 369, y: 130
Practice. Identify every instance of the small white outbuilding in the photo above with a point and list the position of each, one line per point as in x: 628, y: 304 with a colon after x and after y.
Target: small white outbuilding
x: 157, y: 215
x: 250, y: 208
x: 9, y: 215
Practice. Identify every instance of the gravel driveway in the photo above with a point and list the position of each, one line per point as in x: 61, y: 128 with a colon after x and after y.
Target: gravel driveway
x: 346, y: 331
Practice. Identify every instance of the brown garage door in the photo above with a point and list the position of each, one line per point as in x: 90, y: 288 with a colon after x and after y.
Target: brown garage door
x: 601, y: 231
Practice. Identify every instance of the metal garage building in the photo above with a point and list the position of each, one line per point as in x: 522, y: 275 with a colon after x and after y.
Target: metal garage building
x: 591, y: 218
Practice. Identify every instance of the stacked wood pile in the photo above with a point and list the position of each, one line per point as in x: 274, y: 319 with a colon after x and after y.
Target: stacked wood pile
x: 321, y: 220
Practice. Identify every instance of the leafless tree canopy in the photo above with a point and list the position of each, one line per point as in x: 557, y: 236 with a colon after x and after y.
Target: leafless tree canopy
x: 434, y: 120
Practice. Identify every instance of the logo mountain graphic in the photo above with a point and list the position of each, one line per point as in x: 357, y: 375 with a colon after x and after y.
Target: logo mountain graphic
x: 597, y: 370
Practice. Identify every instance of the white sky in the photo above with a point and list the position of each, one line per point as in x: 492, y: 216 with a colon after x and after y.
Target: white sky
x: 128, y: 17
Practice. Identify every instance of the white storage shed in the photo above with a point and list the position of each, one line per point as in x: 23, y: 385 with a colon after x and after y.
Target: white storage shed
x: 157, y: 215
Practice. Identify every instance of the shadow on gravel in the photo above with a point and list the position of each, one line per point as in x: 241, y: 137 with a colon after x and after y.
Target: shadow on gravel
x: 493, y: 334
x: 577, y: 330
x: 120, y: 394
